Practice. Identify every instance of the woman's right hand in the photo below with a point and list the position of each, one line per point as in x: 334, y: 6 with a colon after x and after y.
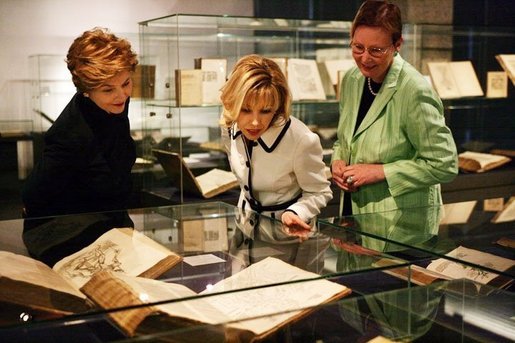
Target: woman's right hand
x: 337, y: 169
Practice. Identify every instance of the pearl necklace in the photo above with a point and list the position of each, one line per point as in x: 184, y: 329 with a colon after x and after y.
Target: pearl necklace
x: 370, y: 88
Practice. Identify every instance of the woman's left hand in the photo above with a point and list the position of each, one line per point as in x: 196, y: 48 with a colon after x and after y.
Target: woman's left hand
x: 357, y: 175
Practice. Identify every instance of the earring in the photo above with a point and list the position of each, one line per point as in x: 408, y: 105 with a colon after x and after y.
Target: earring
x: 86, y: 95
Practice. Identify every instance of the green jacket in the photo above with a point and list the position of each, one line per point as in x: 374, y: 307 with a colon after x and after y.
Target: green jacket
x: 405, y: 131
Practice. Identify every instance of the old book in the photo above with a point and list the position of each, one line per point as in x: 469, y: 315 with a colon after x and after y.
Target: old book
x: 477, y: 162
x: 504, y: 152
x: 497, y: 84
x: 207, y: 185
x: 214, y: 74
x: 144, y: 80
x: 454, y: 79
x: 415, y: 274
x: 507, y: 62
x: 304, y: 79
x: 188, y: 87
x: 28, y: 283
x: 456, y: 270
x: 253, y: 313
x: 205, y: 234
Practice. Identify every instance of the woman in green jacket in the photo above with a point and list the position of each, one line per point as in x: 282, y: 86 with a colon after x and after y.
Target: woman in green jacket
x: 393, y: 148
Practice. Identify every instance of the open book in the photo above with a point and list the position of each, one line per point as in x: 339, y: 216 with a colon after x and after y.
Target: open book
x: 254, y: 313
x: 28, y: 283
x: 207, y: 185
x: 454, y: 79
x: 477, y: 162
x: 446, y: 269
x: 507, y: 62
x: 455, y: 270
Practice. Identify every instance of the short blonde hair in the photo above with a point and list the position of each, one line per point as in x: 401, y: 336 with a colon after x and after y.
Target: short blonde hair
x: 96, y: 56
x: 255, y: 81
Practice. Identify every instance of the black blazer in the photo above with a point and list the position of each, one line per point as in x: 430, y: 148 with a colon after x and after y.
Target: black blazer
x: 86, y: 163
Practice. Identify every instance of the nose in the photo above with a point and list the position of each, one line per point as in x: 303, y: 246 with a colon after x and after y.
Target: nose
x: 255, y: 119
x: 366, y: 55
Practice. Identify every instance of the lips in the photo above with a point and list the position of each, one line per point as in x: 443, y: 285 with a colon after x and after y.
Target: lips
x: 253, y: 132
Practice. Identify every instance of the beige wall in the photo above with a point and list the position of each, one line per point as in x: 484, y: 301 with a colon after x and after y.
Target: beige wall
x: 41, y: 27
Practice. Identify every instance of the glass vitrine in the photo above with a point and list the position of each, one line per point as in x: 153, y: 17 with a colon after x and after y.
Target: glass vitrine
x: 219, y: 244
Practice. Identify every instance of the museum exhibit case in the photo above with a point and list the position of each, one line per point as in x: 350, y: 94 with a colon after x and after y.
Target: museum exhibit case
x: 471, y: 239
x: 214, y: 252
x: 189, y: 56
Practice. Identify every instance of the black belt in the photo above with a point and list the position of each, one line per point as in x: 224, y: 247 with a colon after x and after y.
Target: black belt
x: 256, y: 205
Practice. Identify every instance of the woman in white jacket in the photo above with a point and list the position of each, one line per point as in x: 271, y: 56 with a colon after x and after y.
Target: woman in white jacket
x: 276, y: 158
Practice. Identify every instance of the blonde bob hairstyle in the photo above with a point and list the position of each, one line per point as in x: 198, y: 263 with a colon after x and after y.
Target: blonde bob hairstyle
x: 96, y: 56
x: 255, y: 82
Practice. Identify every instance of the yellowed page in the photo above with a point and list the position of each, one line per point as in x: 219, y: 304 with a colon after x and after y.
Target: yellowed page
x: 23, y: 268
x: 458, y: 271
x: 482, y: 158
x: 214, y: 179
x: 120, y: 250
x: 237, y: 306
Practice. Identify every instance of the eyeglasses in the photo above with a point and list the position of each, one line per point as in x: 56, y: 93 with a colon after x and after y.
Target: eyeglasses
x: 359, y: 49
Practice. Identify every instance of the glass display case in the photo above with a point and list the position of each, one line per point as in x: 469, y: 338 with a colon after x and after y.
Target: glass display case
x: 181, y: 42
x: 231, y: 257
x: 471, y: 239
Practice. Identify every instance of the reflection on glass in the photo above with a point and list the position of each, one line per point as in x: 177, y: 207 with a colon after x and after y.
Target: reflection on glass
x: 50, y: 239
x: 257, y: 237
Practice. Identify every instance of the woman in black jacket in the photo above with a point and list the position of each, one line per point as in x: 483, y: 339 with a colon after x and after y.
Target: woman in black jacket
x: 88, y: 154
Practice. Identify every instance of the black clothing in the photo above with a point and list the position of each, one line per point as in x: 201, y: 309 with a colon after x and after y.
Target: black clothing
x: 366, y: 101
x: 86, y: 163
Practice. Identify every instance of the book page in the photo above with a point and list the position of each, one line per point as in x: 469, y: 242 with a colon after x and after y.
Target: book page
x: 457, y: 213
x: 443, y: 80
x: 120, y: 250
x: 334, y: 66
x: 214, y: 73
x: 466, y: 78
x: 497, y: 84
x: 23, y: 268
x: 266, y: 301
x: 458, y: 271
x: 304, y: 79
x: 482, y: 158
x: 236, y: 306
x: 507, y: 214
x: 151, y: 291
x: 188, y: 87
x: 216, y: 178
x: 507, y: 62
